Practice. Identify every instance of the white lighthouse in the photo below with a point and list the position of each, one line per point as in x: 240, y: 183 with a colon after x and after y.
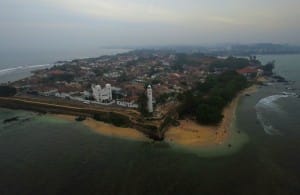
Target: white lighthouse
x: 149, y: 97
x: 109, y: 91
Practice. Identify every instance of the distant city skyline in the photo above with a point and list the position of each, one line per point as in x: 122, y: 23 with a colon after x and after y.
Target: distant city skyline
x: 67, y: 24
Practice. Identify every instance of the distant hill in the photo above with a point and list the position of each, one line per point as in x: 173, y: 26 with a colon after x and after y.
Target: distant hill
x: 239, y: 49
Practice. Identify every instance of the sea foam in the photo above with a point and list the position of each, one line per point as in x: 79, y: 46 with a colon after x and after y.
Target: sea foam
x: 8, y: 70
x: 268, y: 104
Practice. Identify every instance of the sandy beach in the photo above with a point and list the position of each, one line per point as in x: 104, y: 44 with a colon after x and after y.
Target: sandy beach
x: 191, y: 134
x: 108, y: 129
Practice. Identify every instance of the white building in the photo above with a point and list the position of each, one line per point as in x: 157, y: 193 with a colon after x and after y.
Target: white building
x: 102, y: 95
x: 150, y: 99
x: 49, y: 92
x: 127, y: 104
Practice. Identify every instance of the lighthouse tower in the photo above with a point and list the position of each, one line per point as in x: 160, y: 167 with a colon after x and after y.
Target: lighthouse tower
x: 149, y: 96
x: 109, y: 91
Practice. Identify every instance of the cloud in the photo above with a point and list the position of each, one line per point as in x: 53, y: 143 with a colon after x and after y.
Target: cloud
x: 151, y: 21
x: 121, y: 10
x: 224, y: 20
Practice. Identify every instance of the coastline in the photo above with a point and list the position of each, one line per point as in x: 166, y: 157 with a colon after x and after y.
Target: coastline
x: 107, y: 129
x: 189, y: 135
x: 192, y: 135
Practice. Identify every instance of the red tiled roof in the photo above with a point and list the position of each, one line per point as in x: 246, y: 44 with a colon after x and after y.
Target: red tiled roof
x: 247, y: 70
x: 56, y: 72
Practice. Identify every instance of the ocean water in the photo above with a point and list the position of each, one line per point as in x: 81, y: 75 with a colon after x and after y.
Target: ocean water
x: 18, y: 64
x: 279, y: 112
x: 45, y: 155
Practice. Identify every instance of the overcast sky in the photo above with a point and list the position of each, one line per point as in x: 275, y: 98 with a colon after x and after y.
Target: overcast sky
x: 93, y: 23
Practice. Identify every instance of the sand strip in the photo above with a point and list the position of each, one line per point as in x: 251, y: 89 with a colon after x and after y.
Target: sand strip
x: 108, y: 129
x: 191, y: 134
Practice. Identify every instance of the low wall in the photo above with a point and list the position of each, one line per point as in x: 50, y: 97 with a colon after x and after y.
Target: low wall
x: 109, y: 116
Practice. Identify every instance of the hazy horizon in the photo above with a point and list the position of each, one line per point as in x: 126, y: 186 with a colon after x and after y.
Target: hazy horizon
x: 87, y: 24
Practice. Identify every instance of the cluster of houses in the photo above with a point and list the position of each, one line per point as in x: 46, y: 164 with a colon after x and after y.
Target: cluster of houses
x: 101, y: 96
x: 251, y: 72
x: 123, y: 78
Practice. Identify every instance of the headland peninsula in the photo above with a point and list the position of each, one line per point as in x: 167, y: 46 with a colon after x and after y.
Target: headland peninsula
x: 183, y: 98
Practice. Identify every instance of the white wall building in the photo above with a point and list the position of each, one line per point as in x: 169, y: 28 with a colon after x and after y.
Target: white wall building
x: 49, y: 92
x: 127, y: 104
x: 150, y: 99
x: 102, y: 95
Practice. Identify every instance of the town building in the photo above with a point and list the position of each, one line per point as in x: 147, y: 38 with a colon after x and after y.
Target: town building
x: 150, y: 99
x: 102, y: 95
x: 248, y: 71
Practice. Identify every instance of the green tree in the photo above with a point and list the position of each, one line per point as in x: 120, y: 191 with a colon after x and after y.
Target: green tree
x: 142, y: 102
x: 207, y: 101
x: 208, y: 114
x: 231, y: 63
x: 6, y: 91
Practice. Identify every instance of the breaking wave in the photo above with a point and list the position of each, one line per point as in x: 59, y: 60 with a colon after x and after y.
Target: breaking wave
x: 268, y: 104
x: 8, y: 70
